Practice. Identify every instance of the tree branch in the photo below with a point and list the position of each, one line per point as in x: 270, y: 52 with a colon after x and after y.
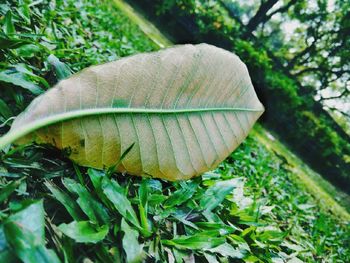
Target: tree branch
x: 338, y: 73
x: 259, y: 17
x: 308, y: 49
x: 282, y: 9
x: 346, y: 114
x: 343, y: 93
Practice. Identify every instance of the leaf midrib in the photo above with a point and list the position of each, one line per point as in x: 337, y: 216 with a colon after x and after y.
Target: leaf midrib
x: 49, y: 120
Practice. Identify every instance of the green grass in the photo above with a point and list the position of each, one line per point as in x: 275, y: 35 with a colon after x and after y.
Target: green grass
x: 329, y: 197
x: 147, y: 27
x: 250, y: 209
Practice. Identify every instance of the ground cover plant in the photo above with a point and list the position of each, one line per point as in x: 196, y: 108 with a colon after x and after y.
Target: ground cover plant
x: 250, y: 209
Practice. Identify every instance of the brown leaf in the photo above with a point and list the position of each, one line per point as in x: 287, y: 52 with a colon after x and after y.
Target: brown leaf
x: 186, y: 109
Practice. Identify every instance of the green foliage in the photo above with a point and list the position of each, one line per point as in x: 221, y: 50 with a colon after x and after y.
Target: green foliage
x: 249, y: 209
x: 209, y: 15
x: 84, y: 231
x: 23, y: 234
x: 36, y: 52
x: 282, y: 94
x: 254, y: 57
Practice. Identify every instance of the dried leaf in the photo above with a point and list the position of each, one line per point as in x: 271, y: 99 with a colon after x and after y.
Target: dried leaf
x: 186, y: 109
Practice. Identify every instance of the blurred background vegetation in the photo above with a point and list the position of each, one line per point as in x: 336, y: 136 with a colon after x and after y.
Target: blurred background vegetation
x: 262, y: 204
x: 297, y: 52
